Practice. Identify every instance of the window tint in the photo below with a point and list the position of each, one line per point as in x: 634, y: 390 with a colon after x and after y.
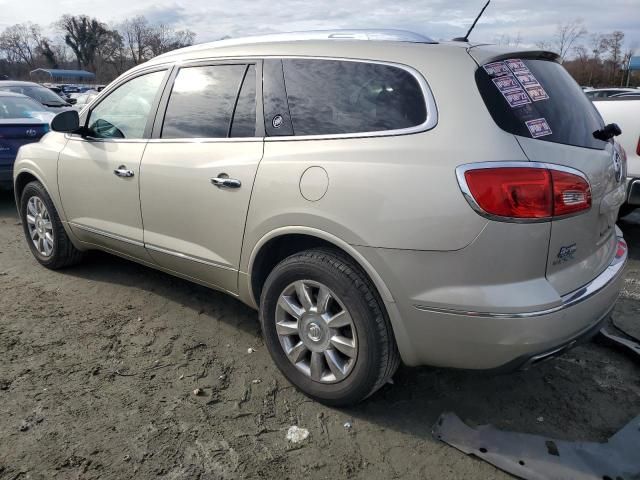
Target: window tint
x: 202, y: 102
x: 277, y: 121
x: 125, y: 112
x: 332, y: 97
x: 244, y: 117
x: 539, y: 99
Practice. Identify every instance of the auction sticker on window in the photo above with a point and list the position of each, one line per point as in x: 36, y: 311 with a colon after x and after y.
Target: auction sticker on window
x: 516, y: 97
x: 538, y: 127
x: 527, y: 79
x: 516, y: 65
x: 496, y: 69
x: 506, y: 82
x: 536, y: 92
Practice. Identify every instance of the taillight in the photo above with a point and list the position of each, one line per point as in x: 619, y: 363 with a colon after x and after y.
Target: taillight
x: 523, y: 191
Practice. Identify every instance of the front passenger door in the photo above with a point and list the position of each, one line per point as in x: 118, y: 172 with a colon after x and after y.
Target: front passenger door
x: 98, y: 173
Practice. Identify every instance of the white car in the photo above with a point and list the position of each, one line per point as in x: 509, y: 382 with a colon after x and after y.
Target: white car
x: 626, y: 113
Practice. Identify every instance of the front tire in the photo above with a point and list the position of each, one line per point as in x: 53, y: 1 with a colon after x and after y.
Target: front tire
x: 325, y: 327
x: 43, y: 229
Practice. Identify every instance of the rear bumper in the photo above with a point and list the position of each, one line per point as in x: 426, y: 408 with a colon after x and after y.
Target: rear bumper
x: 502, y: 340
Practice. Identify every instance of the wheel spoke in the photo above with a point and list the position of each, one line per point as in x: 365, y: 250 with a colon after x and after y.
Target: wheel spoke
x: 317, y: 366
x: 339, y: 320
x: 297, y: 352
x: 304, y: 296
x: 41, y: 244
x: 344, y: 345
x: 34, y: 234
x: 47, y: 225
x: 323, y: 299
x: 287, y: 328
x: 334, y: 364
x: 288, y: 306
x: 31, y: 207
x: 31, y: 220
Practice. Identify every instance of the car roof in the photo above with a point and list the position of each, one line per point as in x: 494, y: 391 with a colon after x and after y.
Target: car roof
x: 316, y: 42
x: 4, y: 93
x: 18, y: 83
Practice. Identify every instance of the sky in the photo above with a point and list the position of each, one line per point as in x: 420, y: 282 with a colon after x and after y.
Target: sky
x: 531, y: 20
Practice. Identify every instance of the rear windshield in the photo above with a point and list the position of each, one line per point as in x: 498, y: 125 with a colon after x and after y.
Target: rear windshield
x: 539, y: 99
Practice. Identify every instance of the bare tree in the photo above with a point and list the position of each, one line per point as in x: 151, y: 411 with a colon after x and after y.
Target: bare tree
x: 136, y: 34
x: 85, y: 36
x: 567, y: 34
x: 20, y: 42
x: 164, y: 39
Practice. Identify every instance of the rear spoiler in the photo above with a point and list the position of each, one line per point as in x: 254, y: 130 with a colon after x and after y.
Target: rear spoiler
x: 484, y: 54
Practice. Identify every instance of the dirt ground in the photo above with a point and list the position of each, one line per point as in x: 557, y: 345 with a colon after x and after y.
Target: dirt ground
x: 98, y: 365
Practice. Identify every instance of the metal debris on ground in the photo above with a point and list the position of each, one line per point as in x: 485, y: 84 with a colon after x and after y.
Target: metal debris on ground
x: 297, y: 434
x: 250, y: 350
x: 348, y: 425
x: 198, y: 391
x: 256, y: 381
x: 618, y: 338
x: 534, y: 457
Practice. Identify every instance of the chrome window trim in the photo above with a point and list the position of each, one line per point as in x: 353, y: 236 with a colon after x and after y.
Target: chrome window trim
x: 432, y: 110
x: 183, y: 256
x: 608, y: 276
x: 466, y: 191
x: 112, y: 236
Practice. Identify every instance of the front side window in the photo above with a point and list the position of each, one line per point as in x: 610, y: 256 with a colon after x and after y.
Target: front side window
x: 125, y: 112
x: 203, y: 101
x: 339, y: 97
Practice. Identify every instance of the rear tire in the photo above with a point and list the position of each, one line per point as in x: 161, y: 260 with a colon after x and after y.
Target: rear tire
x: 371, y: 353
x: 43, y: 229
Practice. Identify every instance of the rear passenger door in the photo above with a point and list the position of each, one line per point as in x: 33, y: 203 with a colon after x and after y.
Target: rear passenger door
x: 198, y: 169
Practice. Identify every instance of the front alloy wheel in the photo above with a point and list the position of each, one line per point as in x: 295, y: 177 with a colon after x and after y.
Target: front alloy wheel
x: 40, y: 226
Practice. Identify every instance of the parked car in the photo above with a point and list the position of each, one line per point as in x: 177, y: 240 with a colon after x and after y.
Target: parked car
x: 625, y: 111
x: 597, y: 93
x: 377, y: 196
x: 83, y: 99
x: 37, y: 92
x: 22, y: 121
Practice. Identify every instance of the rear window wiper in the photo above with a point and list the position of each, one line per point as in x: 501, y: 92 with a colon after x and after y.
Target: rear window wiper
x: 607, y: 132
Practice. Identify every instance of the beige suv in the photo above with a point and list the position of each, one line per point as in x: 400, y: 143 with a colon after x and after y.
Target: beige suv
x: 376, y: 195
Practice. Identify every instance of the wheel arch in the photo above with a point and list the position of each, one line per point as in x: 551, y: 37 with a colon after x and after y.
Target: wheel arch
x: 22, y: 180
x: 283, y: 242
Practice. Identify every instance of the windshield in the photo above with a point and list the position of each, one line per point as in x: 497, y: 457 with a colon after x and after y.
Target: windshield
x: 16, y: 107
x: 43, y: 95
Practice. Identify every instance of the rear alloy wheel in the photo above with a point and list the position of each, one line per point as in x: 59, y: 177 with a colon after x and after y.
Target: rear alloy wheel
x: 316, y: 331
x: 43, y: 229
x: 326, y: 329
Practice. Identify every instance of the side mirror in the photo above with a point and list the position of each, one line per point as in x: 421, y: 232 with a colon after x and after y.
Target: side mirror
x: 67, y: 121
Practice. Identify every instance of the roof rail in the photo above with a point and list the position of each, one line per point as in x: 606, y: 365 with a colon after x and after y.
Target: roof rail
x: 389, y: 35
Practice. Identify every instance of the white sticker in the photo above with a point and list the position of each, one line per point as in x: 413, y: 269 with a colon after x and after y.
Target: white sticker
x: 538, y: 127
x: 496, y: 69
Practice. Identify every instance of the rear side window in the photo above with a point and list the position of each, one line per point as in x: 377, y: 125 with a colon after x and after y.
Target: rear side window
x: 329, y: 97
x: 539, y: 99
x: 203, y: 101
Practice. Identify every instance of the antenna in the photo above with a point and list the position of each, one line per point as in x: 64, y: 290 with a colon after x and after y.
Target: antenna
x: 466, y: 37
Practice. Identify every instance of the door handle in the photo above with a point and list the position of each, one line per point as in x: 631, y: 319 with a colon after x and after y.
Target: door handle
x: 122, y: 171
x: 223, y: 181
